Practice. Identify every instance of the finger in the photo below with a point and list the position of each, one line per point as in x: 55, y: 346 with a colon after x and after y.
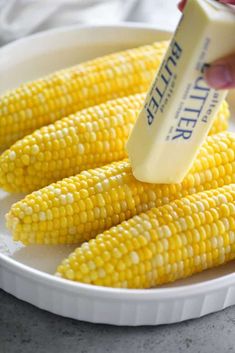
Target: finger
x: 231, y: 2
x: 221, y: 73
x: 182, y: 4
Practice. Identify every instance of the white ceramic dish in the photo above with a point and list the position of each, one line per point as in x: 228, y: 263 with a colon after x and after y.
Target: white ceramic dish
x: 27, y: 272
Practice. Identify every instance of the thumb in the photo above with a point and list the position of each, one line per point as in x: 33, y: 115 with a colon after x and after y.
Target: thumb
x: 182, y: 3
x: 221, y: 73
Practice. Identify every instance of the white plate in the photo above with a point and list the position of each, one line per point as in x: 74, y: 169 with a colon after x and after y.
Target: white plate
x: 26, y: 272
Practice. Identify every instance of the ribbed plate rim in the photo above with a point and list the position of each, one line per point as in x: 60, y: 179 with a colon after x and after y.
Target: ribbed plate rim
x: 140, y: 294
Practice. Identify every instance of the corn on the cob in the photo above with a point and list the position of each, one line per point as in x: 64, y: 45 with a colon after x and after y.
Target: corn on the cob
x: 78, y: 208
x: 91, y: 138
x: 160, y: 246
x: 221, y: 121
x: 41, y: 102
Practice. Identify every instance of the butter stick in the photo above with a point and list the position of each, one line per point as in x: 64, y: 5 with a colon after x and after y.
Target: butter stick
x: 180, y: 107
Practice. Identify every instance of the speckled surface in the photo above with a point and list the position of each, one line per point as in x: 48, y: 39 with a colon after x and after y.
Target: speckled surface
x: 26, y: 329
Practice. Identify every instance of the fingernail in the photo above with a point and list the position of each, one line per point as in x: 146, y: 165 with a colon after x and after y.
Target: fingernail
x: 218, y: 76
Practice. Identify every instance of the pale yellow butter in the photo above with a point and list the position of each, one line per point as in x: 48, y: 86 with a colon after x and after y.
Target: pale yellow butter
x: 180, y: 107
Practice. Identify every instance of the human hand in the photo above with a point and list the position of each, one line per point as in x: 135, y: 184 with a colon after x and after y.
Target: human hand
x: 221, y: 73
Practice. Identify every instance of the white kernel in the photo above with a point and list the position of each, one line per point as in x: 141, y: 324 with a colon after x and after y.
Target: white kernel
x: 152, y: 195
x: 101, y: 273
x: 63, y: 199
x: 165, y: 257
x: 197, y: 179
x: 168, y: 268
x: 220, y: 241
x: 214, y: 242
x: 221, y: 257
x: 59, y: 134
x: 69, y: 198
x: 232, y: 209
x: 53, y: 136
x: 29, y: 210
x: 147, y: 225
x: 14, y: 223
x: 42, y: 216
x: 231, y: 236
x: 38, y: 193
x: 35, y: 149
x: 196, y: 235
x: 192, y: 191
x: 167, y: 231
x: 113, y: 133
x: 165, y: 200
x: 197, y: 260
x: 84, y: 91
x: 100, y: 113
x: 204, y: 260
x: 119, y: 118
x: 57, y: 191
x: 65, y: 131
x: 23, y: 206
x: 93, y: 136
x: 46, y: 136
x: 222, y: 198
x: 225, y: 223
x: 184, y: 239
x: 123, y: 205
x: 134, y: 257
x: 5, y: 110
x: 181, y: 266
x: 41, y: 97
x: 99, y: 187
x: 200, y: 206
x: 165, y: 244
x: 50, y: 187
x: 164, y: 231
x: 106, y: 146
x: 147, y: 235
x: 91, y: 265
x: 72, y: 130
x: 29, y: 113
x: 190, y: 250
x: 96, y: 212
x: 95, y: 88
x: 89, y: 126
x: 12, y: 155
x: 81, y: 148
x: 174, y: 268
x: 134, y: 232
x: 183, y: 223
x: 155, y: 223
x: 186, y: 201
x: 158, y: 260
x: 121, y: 58
x: 85, y: 246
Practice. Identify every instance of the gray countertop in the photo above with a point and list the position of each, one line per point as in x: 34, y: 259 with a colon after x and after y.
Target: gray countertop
x: 26, y: 329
